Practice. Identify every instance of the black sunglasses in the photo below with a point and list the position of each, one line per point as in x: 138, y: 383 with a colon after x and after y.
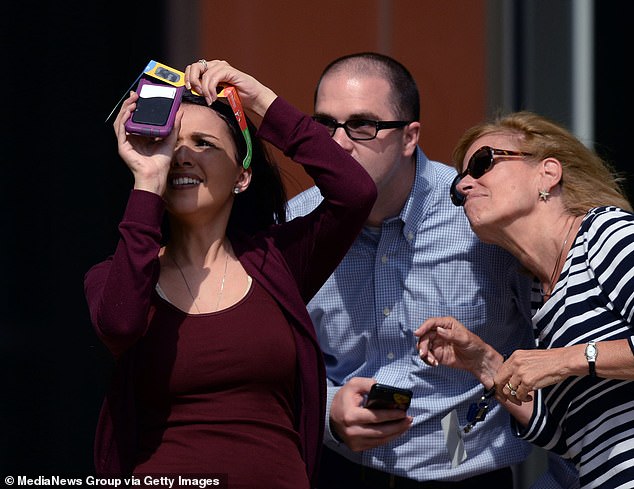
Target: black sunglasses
x: 480, y: 162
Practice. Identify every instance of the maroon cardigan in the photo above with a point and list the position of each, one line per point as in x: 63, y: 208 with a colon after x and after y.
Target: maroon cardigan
x: 291, y: 261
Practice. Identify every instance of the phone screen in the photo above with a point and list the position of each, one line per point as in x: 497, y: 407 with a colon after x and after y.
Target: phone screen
x: 154, y: 104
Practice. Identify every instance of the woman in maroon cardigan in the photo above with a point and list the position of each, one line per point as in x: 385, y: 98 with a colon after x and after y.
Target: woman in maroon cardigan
x: 218, y: 368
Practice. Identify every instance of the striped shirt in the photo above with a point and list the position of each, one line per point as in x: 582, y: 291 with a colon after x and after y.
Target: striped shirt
x: 590, y: 421
x: 424, y: 262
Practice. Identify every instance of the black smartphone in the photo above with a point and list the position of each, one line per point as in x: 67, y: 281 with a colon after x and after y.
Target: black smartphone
x: 383, y: 396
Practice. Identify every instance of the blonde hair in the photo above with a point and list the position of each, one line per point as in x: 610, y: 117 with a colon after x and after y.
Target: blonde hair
x: 587, y: 181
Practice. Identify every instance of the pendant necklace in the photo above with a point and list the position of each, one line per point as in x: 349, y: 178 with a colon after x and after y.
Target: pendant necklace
x: 222, y: 283
x: 553, y: 275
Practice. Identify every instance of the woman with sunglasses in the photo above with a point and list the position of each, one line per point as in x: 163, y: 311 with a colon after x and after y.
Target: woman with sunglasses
x: 218, y: 368
x: 531, y: 187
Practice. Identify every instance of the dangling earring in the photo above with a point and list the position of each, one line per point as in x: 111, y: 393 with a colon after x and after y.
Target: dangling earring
x: 543, y: 195
x: 236, y: 190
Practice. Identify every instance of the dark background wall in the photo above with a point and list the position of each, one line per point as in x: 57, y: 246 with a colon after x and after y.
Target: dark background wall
x: 613, y: 88
x: 63, y: 187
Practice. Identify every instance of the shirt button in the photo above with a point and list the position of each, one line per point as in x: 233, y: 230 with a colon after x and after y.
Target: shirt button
x: 410, y: 236
x: 390, y: 356
x: 386, y: 311
x: 384, y: 259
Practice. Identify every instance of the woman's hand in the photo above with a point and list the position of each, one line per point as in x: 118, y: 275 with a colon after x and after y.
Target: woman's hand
x: 148, y: 158
x: 205, y: 76
x: 446, y: 341
x: 528, y: 370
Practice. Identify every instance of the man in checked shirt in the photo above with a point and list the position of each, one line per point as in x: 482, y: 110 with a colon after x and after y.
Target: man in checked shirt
x: 416, y: 258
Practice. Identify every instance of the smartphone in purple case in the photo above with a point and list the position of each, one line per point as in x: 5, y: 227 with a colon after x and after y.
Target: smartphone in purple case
x: 155, y: 109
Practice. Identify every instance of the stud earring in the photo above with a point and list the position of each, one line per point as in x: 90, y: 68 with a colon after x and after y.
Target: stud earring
x: 543, y: 195
x: 236, y: 190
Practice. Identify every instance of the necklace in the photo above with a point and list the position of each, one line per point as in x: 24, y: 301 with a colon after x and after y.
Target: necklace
x: 222, y: 283
x: 553, y: 275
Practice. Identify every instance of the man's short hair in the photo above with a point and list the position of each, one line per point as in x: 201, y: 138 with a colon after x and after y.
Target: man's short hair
x: 404, y: 92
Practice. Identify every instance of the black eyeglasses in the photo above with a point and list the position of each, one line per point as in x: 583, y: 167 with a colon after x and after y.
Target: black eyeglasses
x: 358, y: 129
x: 480, y: 162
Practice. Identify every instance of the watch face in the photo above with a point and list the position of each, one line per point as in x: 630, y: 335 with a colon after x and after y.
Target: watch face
x: 591, y: 351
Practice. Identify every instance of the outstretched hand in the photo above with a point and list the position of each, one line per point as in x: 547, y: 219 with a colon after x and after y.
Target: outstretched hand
x: 446, y: 341
x: 204, y: 77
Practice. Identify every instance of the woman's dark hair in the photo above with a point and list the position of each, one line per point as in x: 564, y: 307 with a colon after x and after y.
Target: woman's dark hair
x: 264, y: 202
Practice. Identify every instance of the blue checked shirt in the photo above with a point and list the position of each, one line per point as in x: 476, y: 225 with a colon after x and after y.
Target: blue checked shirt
x: 425, y: 262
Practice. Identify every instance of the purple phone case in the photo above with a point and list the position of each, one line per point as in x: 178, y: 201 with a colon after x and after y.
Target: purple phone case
x: 149, y: 129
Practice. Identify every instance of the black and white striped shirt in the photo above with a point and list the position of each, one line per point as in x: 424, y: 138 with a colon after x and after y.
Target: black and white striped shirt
x: 590, y: 420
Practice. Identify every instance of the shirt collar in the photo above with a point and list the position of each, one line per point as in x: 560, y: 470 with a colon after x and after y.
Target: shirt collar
x: 420, y: 198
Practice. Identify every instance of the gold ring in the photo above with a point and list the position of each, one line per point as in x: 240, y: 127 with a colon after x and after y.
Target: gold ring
x: 511, y: 388
x: 204, y: 63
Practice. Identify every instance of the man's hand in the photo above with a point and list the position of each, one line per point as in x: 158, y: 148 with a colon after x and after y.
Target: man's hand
x: 361, y: 428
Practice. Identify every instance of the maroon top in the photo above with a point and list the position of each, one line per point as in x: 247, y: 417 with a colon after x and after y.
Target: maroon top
x: 290, y: 262
x: 189, y: 396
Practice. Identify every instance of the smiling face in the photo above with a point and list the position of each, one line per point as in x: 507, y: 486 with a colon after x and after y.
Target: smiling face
x: 204, y: 170
x: 505, y: 193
